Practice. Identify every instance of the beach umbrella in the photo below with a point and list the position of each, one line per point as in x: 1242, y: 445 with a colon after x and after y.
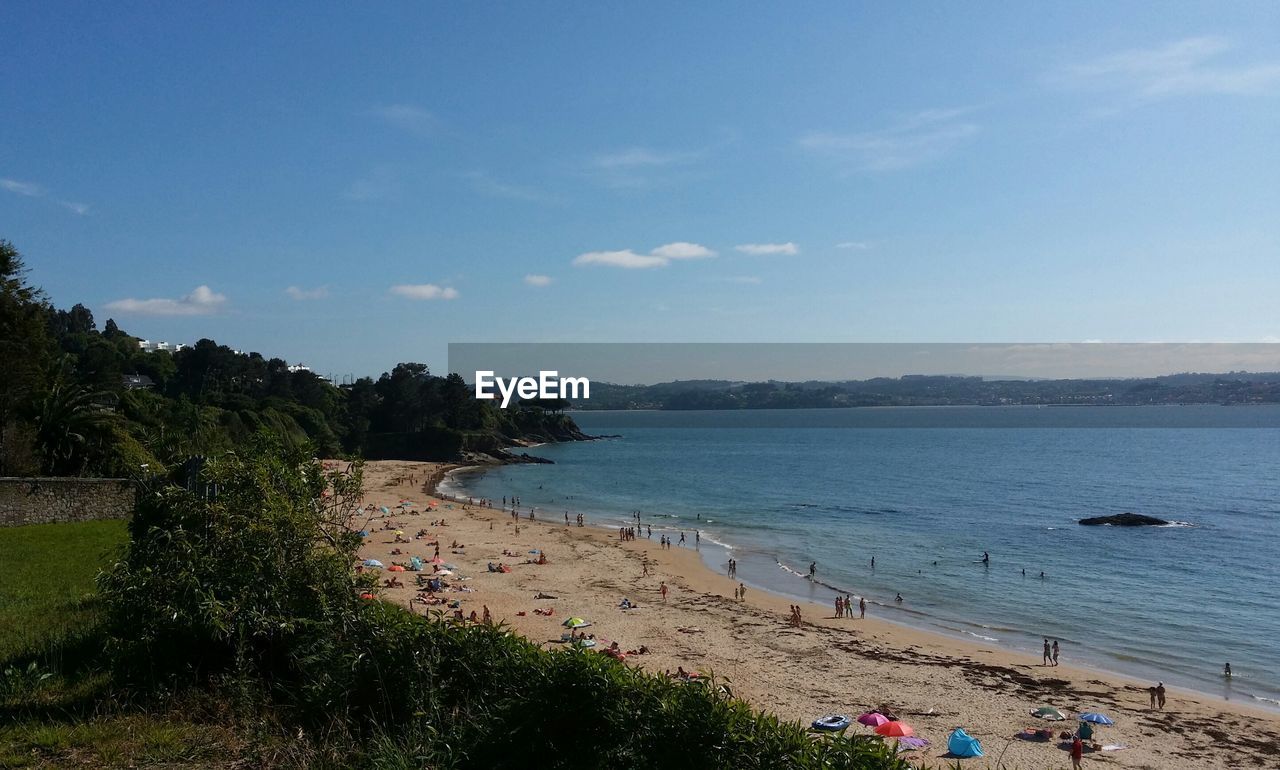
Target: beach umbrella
x: 895, y: 730
x: 362, y: 533
x: 372, y: 563
x: 1097, y: 719
x: 444, y: 572
x: 384, y: 509
x: 873, y: 719
x: 912, y: 742
x: 575, y: 623
x: 395, y: 568
x: 1050, y: 713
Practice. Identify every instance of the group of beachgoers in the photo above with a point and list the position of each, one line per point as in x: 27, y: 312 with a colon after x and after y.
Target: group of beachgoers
x: 844, y: 607
x: 666, y: 541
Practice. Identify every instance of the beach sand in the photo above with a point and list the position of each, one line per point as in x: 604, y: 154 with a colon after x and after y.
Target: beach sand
x: 828, y: 665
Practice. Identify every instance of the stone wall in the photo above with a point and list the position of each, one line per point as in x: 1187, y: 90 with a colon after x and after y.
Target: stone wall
x: 49, y: 500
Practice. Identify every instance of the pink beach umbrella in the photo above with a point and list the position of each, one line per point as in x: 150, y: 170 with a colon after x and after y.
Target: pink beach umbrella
x: 873, y: 719
x: 437, y: 560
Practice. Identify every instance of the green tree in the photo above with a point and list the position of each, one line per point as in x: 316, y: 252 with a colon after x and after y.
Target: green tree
x: 24, y: 353
x: 72, y: 421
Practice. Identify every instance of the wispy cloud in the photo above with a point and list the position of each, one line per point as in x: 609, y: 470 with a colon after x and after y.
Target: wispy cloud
x: 658, y: 257
x: 201, y: 301
x: 32, y: 190
x: 1194, y: 65
x: 22, y: 188
x: 300, y: 294
x: 379, y: 183
x: 408, y: 117
x: 487, y: 185
x: 626, y: 258
x: 761, y: 249
x: 683, y: 250
x: 639, y: 167
x: 424, y: 291
x: 538, y: 280
x: 854, y: 245
x: 751, y: 279
x: 913, y: 141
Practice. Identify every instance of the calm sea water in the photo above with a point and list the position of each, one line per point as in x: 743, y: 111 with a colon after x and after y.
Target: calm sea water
x: 926, y: 491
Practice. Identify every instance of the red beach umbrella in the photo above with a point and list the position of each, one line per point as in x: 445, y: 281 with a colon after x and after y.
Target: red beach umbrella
x: 895, y: 730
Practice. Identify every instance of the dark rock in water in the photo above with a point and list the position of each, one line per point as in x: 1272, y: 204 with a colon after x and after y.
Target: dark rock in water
x: 1124, y: 520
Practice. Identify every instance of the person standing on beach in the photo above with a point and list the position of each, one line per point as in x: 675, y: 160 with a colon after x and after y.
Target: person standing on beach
x: 1048, y: 651
x: 1055, y: 652
x: 1160, y: 695
x: 1152, y: 692
x: 839, y: 606
x: 663, y: 590
x: 813, y: 569
x: 682, y: 538
x: 1077, y: 753
x: 862, y: 608
x: 742, y: 592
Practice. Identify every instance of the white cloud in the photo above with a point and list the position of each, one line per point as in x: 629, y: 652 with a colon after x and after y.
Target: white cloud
x: 915, y: 140
x: 201, y: 301
x: 1189, y: 66
x: 683, y: 250
x: 297, y: 293
x: 487, y: 185
x: 854, y: 245
x: 633, y: 157
x: 538, y: 280
x: 640, y: 167
x: 625, y: 259
x: 32, y: 190
x: 22, y: 188
x: 424, y: 291
x: 379, y: 183
x: 759, y: 249
x: 408, y: 117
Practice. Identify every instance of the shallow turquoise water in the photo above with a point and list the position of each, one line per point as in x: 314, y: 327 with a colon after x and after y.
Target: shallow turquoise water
x: 926, y: 491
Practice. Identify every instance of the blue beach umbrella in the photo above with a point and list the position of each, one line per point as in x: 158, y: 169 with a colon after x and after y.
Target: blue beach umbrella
x: 372, y: 563
x: 1097, y: 719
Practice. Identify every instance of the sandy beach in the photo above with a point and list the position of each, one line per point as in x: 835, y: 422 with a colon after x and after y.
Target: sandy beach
x: 827, y: 665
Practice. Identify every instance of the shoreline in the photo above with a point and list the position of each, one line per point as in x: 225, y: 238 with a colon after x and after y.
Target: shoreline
x: 828, y: 665
x: 929, y: 625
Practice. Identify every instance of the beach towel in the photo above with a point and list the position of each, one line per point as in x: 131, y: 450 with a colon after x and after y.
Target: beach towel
x: 961, y: 744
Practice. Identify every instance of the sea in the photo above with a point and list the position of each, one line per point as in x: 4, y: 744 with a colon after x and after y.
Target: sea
x: 926, y: 491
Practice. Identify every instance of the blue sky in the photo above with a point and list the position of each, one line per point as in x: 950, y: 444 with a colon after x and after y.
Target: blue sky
x: 425, y: 173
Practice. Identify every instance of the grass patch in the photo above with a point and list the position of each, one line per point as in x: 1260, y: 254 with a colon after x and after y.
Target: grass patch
x: 134, y: 740
x: 47, y: 576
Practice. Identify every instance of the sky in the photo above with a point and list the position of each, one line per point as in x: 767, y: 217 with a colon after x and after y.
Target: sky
x: 351, y: 187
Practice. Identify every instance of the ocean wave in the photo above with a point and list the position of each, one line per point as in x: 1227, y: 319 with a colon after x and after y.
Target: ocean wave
x: 1175, y: 524
x: 1272, y: 701
x: 983, y: 638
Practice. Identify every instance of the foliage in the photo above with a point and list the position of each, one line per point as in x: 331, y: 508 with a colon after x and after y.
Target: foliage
x: 78, y: 416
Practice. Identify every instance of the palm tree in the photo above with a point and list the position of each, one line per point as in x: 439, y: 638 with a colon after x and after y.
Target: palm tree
x: 71, y: 421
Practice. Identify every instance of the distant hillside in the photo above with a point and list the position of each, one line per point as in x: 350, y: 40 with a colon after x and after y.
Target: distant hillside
x: 926, y: 390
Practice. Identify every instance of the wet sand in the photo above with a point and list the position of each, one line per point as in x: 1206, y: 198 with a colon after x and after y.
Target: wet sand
x: 827, y: 665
